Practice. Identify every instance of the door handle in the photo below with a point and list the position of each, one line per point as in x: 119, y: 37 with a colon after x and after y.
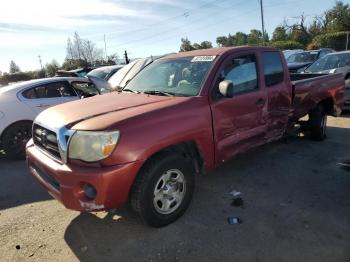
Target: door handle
x: 260, y: 102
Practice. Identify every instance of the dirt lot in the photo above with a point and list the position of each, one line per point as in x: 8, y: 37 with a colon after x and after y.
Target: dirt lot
x: 296, y: 208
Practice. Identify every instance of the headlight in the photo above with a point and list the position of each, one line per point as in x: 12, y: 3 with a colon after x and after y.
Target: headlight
x: 91, y: 146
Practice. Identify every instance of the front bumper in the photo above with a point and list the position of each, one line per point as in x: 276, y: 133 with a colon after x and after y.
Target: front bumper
x: 65, y: 182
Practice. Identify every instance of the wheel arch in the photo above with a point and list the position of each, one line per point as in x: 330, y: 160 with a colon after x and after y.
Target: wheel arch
x: 14, y: 123
x: 328, y: 105
x: 189, y: 149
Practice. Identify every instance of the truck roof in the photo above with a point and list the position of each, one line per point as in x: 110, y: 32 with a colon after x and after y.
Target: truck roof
x: 217, y: 51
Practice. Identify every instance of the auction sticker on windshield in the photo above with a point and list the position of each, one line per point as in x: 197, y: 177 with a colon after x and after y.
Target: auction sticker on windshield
x: 203, y: 58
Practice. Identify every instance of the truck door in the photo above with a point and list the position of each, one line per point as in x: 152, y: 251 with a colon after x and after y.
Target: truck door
x: 238, y: 122
x: 278, y: 94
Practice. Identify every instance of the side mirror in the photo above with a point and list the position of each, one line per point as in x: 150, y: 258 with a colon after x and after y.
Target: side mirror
x: 226, y: 88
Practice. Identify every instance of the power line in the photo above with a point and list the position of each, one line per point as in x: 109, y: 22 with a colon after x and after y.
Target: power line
x: 174, y: 28
x: 218, y: 21
x: 184, y: 14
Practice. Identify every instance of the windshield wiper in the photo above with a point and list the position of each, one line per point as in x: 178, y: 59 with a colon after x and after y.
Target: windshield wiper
x: 130, y: 90
x: 157, y: 92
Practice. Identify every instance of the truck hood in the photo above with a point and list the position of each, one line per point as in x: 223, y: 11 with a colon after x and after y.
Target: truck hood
x: 69, y: 114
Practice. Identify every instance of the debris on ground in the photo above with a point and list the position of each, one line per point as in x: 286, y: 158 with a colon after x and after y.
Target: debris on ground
x: 83, y: 249
x: 345, y: 164
x: 234, y: 220
x: 235, y: 193
x: 283, y: 204
x: 18, y: 247
x: 237, y: 202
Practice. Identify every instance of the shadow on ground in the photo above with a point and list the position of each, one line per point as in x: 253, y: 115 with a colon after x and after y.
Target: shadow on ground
x: 296, y: 208
x: 17, y: 186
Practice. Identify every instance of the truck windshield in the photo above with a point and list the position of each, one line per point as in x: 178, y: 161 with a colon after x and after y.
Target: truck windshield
x: 329, y: 62
x: 178, y: 77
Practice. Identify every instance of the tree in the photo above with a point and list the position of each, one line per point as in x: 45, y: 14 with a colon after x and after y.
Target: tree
x: 279, y: 34
x: 254, y: 37
x: 186, y: 45
x: 283, y: 45
x: 51, y: 68
x: 222, y: 41
x: 14, y: 68
x: 112, y: 59
x: 241, y: 38
x: 81, y: 53
x: 338, y: 18
x: 206, y: 44
x: 203, y: 45
x: 298, y: 31
x: 225, y: 41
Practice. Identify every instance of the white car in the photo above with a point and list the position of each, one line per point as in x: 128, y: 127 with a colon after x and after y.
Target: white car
x: 21, y: 103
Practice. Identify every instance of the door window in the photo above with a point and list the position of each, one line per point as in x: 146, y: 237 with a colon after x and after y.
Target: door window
x: 273, y: 68
x: 242, y: 71
x: 50, y: 90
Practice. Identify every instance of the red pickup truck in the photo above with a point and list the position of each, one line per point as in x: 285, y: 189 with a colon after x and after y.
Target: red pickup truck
x: 183, y: 115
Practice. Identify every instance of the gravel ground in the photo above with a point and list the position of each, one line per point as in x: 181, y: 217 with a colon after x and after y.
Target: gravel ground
x: 296, y: 208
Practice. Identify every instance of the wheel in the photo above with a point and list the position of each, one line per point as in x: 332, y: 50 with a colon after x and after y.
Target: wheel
x: 15, y: 138
x: 318, y: 123
x: 163, y: 189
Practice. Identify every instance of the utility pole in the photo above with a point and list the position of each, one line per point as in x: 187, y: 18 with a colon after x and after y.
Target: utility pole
x: 104, y: 38
x: 262, y: 22
x: 126, y: 57
x: 347, y: 41
x: 41, y: 64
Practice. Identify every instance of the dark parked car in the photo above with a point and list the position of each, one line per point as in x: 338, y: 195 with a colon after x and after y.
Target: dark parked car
x: 301, y: 60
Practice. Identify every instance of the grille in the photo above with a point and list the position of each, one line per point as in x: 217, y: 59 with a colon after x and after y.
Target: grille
x: 46, y: 140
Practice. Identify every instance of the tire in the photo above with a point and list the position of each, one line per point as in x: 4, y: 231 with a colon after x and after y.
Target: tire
x: 318, y: 124
x: 163, y: 189
x: 15, y: 138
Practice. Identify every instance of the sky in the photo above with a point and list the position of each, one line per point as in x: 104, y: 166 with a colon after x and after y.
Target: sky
x: 29, y: 28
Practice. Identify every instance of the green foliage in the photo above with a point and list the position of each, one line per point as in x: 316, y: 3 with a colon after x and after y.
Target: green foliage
x: 280, y: 34
x: 14, y: 68
x: 51, y: 68
x: 337, y: 19
x: 187, y: 46
x: 71, y: 64
x: 284, y: 45
x: 336, y: 41
x: 21, y: 76
x: 205, y: 45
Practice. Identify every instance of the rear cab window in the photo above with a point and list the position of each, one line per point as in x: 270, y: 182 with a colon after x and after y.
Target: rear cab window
x: 273, y: 68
